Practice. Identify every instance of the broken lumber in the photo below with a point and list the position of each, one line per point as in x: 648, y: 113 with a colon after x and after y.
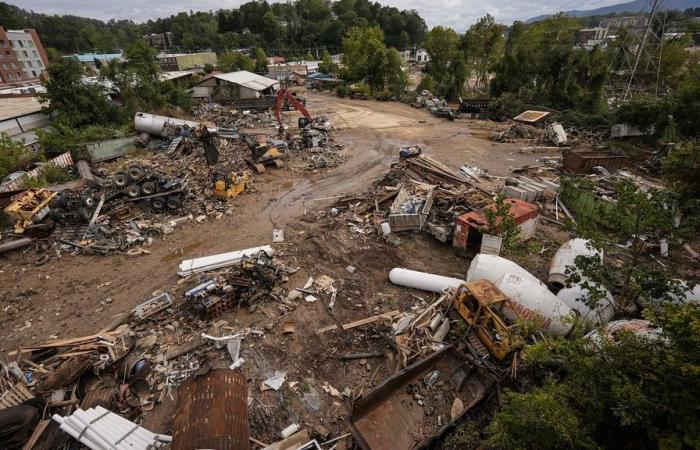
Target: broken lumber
x: 365, y: 321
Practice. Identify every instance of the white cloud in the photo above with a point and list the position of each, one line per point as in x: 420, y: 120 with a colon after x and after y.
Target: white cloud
x: 458, y: 14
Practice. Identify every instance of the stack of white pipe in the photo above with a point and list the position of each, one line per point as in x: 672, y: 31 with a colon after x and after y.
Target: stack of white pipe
x: 100, y: 429
x: 190, y: 266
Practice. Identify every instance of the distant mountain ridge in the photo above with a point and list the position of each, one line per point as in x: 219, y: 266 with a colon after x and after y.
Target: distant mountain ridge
x: 633, y: 6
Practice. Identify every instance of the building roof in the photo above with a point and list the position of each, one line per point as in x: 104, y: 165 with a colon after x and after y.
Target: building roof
x: 176, y: 74
x: 90, y: 57
x: 247, y: 79
x: 18, y: 106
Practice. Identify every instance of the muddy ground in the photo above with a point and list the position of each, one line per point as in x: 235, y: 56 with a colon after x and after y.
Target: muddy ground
x: 76, y: 296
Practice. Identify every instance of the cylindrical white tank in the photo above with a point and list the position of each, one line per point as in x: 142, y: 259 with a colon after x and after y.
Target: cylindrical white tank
x: 601, y: 314
x: 492, y: 268
x: 533, y: 301
x: 152, y: 124
x: 565, y: 257
x: 422, y: 280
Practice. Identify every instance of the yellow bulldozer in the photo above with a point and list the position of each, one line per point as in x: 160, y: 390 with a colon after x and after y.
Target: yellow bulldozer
x: 481, y: 303
x: 29, y: 208
x: 228, y: 185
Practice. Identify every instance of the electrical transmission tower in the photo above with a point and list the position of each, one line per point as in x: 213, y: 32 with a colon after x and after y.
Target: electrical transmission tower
x: 637, y: 63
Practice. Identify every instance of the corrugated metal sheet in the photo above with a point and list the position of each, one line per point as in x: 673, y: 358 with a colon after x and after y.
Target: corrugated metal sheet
x: 63, y: 160
x: 247, y: 79
x: 113, y: 148
x: 212, y: 412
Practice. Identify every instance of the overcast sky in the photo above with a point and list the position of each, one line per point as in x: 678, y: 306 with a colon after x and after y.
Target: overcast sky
x: 458, y: 14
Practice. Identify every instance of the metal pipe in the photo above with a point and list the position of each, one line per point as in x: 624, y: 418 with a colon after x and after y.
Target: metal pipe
x: 14, y: 245
x: 153, y: 124
x: 421, y: 280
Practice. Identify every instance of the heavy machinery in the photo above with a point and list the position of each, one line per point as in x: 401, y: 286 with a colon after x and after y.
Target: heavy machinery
x: 148, y: 187
x: 265, y: 151
x: 230, y: 184
x: 480, y: 303
x: 29, y: 208
x: 287, y: 100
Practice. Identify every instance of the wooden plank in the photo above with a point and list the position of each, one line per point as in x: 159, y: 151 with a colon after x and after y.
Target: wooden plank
x: 38, y: 431
x: 109, y: 336
x: 357, y: 323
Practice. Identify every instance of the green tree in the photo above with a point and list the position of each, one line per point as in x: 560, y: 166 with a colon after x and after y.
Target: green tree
x: 233, y: 61
x: 12, y: 155
x: 631, y: 391
x: 502, y: 223
x: 483, y: 45
x: 260, y: 61
x: 446, y: 65
x: 537, y: 420
x: 327, y: 65
x: 366, y: 57
x: 71, y: 100
x: 637, y: 217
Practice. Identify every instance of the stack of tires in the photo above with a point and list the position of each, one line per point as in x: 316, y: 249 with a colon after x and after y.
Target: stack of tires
x: 70, y: 206
x: 137, y: 182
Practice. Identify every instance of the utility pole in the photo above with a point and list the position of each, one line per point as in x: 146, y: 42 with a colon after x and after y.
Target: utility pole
x: 648, y: 51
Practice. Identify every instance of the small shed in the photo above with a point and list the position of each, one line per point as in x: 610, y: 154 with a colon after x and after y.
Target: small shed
x: 234, y: 86
x: 470, y: 227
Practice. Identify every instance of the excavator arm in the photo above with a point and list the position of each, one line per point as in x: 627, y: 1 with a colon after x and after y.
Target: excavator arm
x: 283, y: 94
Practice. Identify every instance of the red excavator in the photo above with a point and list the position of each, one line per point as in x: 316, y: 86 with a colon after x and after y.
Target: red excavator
x: 286, y: 98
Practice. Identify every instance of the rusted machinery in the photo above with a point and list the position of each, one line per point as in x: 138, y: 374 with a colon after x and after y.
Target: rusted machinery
x: 228, y: 185
x: 480, y: 303
x: 264, y: 151
x: 29, y: 208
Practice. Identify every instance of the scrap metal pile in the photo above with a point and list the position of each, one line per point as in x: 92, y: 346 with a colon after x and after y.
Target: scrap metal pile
x: 132, y: 364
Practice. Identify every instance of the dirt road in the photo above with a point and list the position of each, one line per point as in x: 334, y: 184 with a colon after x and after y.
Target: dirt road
x: 62, y: 298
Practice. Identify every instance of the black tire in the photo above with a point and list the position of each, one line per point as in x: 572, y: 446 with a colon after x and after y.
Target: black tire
x: 43, y: 259
x: 158, y: 203
x: 88, y: 201
x: 85, y: 214
x: 133, y: 190
x: 174, y: 203
x: 136, y: 173
x: 149, y: 188
x: 121, y: 179
x: 58, y: 214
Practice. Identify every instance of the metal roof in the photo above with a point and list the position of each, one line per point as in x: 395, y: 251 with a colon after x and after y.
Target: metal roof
x: 247, y: 79
x: 18, y: 106
x: 90, y: 57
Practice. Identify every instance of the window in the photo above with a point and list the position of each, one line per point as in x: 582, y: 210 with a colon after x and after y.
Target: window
x: 2, y: 42
x: 2, y: 80
x: 9, y: 75
x: 24, y: 52
x: 14, y: 66
x: 4, y: 66
x: 36, y: 55
x: 29, y: 64
x: 33, y: 74
x: 12, y: 43
x: 20, y: 43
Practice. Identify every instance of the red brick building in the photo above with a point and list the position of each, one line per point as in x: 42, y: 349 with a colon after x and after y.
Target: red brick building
x: 22, y: 57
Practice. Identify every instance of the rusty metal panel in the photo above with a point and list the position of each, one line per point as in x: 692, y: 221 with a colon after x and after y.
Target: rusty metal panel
x: 212, y: 412
x: 389, y: 418
x: 584, y: 162
x: 486, y: 292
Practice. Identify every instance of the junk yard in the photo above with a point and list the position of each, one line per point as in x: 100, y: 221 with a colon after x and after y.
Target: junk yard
x: 306, y: 259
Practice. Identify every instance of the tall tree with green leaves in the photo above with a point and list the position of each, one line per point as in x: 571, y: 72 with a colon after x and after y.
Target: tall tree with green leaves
x: 366, y: 58
x: 72, y: 101
x: 483, y: 45
x: 446, y: 66
x: 260, y: 61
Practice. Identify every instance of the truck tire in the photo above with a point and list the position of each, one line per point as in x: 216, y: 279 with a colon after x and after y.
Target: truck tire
x: 136, y: 173
x: 149, y: 188
x: 174, y: 203
x: 133, y: 190
x: 121, y: 179
x: 158, y: 203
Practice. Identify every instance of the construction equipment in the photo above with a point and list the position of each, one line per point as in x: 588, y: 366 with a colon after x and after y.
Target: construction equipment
x: 481, y: 303
x: 229, y: 185
x: 265, y: 151
x: 29, y: 208
x: 288, y: 100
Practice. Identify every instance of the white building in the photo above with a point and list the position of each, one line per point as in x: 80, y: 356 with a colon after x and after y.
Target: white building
x: 422, y: 56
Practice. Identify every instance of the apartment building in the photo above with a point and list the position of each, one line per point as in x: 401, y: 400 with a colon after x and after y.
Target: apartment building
x: 22, y: 57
